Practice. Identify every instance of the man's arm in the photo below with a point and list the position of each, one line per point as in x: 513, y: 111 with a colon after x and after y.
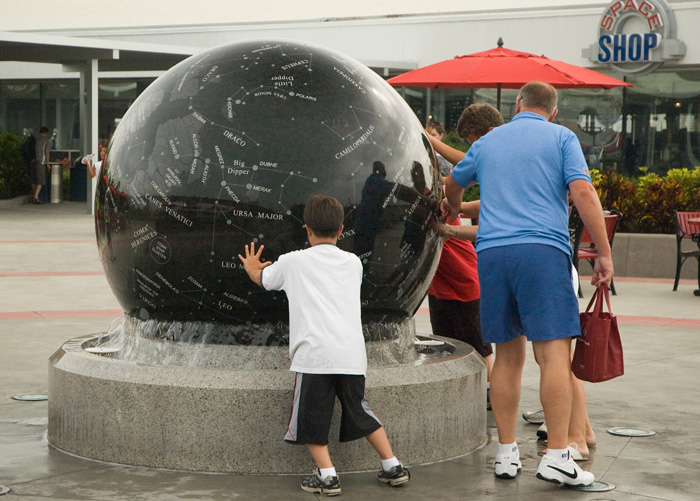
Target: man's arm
x: 449, y: 153
x: 471, y: 209
x: 588, y: 206
x: 252, y: 263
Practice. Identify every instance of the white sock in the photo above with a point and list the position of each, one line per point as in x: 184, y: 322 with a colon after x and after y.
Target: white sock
x: 507, y: 448
x: 488, y: 385
x: 327, y: 472
x: 559, y: 455
x: 388, y: 464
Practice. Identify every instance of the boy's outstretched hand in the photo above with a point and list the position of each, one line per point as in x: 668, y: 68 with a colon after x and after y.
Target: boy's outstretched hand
x: 252, y: 263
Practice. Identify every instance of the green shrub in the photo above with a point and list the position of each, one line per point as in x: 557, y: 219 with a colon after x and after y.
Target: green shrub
x: 14, y: 177
x: 647, y: 202
x: 690, y: 181
x: 452, y: 139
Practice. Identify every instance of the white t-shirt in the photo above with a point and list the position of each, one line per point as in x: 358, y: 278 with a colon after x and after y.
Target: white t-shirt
x: 98, y: 170
x: 322, y: 284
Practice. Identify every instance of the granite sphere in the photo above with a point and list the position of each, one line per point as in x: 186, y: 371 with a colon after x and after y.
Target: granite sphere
x: 224, y: 149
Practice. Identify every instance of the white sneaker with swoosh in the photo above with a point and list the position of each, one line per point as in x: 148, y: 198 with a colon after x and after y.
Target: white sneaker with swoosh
x: 567, y: 473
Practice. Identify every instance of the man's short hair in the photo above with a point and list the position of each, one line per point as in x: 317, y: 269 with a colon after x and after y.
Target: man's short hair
x: 478, y: 119
x: 436, y: 126
x: 43, y: 129
x: 538, y: 95
x: 323, y: 215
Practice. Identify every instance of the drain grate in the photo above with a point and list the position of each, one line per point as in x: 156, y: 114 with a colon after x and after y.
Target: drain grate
x: 594, y: 487
x: 631, y: 432
x: 104, y: 351
x: 31, y: 397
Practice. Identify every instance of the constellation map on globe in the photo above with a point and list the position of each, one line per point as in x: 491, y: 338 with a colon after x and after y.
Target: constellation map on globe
x: 224, y: 149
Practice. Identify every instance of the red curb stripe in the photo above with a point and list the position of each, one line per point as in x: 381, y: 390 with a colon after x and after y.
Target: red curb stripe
x: 49, y: 273
x: 37, y: 315
x: 683, y: 323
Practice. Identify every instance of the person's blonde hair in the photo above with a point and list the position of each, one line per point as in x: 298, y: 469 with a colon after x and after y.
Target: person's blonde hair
x: 478, y: 119
x: 436, y: 126
x: 538, y: 95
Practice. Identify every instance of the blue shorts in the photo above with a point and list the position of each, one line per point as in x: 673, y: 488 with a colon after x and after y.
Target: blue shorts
x: 526, y: 290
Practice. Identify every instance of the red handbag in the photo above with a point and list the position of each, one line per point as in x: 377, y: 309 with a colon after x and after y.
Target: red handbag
x: 598, y: 353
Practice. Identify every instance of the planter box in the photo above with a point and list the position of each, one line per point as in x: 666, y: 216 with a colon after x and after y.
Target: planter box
x: 647, y: 255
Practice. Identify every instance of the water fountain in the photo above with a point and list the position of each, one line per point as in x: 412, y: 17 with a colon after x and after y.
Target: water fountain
x: 222, y: 150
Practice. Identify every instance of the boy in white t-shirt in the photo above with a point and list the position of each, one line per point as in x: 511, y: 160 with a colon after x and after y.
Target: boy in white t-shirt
x: 326, y: 345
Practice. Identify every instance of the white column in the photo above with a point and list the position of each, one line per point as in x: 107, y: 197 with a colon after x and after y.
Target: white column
x: 89, y: 118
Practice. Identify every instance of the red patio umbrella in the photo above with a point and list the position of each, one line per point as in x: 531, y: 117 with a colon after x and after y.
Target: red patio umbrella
x: 503, y: 68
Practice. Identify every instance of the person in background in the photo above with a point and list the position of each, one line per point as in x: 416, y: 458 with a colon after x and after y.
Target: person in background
x: 93, y: 163
x: 436, y: 131
x: 454, y: 294
x: 40, y: 163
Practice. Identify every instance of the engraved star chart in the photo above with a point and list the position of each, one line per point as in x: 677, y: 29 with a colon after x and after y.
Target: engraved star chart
x: 225, y: 148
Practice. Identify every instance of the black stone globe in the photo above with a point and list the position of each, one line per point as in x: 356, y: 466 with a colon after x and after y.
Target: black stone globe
x: 223, y: 150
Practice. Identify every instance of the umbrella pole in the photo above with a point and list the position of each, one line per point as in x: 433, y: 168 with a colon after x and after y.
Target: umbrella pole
x: 498, y: 97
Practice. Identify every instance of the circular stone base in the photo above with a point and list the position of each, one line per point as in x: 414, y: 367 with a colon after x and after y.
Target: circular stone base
x: 221, y: 420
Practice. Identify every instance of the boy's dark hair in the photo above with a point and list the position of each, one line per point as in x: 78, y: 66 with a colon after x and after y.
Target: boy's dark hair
x: 323, y: 215
x: 43, y: 129
x: 478, y: 119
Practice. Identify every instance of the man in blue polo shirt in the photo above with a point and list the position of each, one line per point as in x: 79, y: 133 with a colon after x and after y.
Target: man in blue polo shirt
x: 525, y: 170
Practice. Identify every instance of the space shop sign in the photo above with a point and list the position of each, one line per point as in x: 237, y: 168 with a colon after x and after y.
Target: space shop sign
x: 636, y: 36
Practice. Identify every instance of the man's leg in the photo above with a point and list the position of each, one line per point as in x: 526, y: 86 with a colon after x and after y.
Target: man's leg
x: 554, y: 360
x: 557, y: 465
x: 505, y: 386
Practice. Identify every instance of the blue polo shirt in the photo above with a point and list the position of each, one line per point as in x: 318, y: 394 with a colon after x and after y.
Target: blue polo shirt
x: 524, y: 169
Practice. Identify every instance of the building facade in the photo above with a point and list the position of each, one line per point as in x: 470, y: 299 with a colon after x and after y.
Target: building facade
x: 649, y: 43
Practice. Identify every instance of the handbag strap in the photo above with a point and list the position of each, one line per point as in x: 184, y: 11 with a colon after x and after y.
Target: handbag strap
x: 606, y: 292
x: 590, y: 303
x: 594, y: 298
x: 602, y: 291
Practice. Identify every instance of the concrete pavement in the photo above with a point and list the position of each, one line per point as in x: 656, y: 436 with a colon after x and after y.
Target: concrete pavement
x: 52, y: 288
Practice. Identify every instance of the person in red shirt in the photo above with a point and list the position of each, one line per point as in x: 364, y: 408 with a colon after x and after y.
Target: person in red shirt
x: 454, y: 294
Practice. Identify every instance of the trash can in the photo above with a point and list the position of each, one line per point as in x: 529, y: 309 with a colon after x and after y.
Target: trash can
x: 56, y: 183
x: 78, y: 184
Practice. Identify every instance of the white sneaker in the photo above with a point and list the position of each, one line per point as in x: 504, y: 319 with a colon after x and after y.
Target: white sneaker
x: 507, y: 465
x: 567, y: 473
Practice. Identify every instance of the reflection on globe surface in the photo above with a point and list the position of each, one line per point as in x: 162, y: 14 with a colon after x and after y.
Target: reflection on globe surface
x: 224, y: 149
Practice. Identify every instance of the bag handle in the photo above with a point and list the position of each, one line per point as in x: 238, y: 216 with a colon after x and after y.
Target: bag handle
x: 606, y: 292
x: 601, y: 292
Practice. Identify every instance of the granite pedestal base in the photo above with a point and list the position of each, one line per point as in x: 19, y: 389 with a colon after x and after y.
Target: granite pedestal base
x: 222, y: 420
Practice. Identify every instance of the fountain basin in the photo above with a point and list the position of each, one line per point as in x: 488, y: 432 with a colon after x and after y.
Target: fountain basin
x: 224, y: 420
